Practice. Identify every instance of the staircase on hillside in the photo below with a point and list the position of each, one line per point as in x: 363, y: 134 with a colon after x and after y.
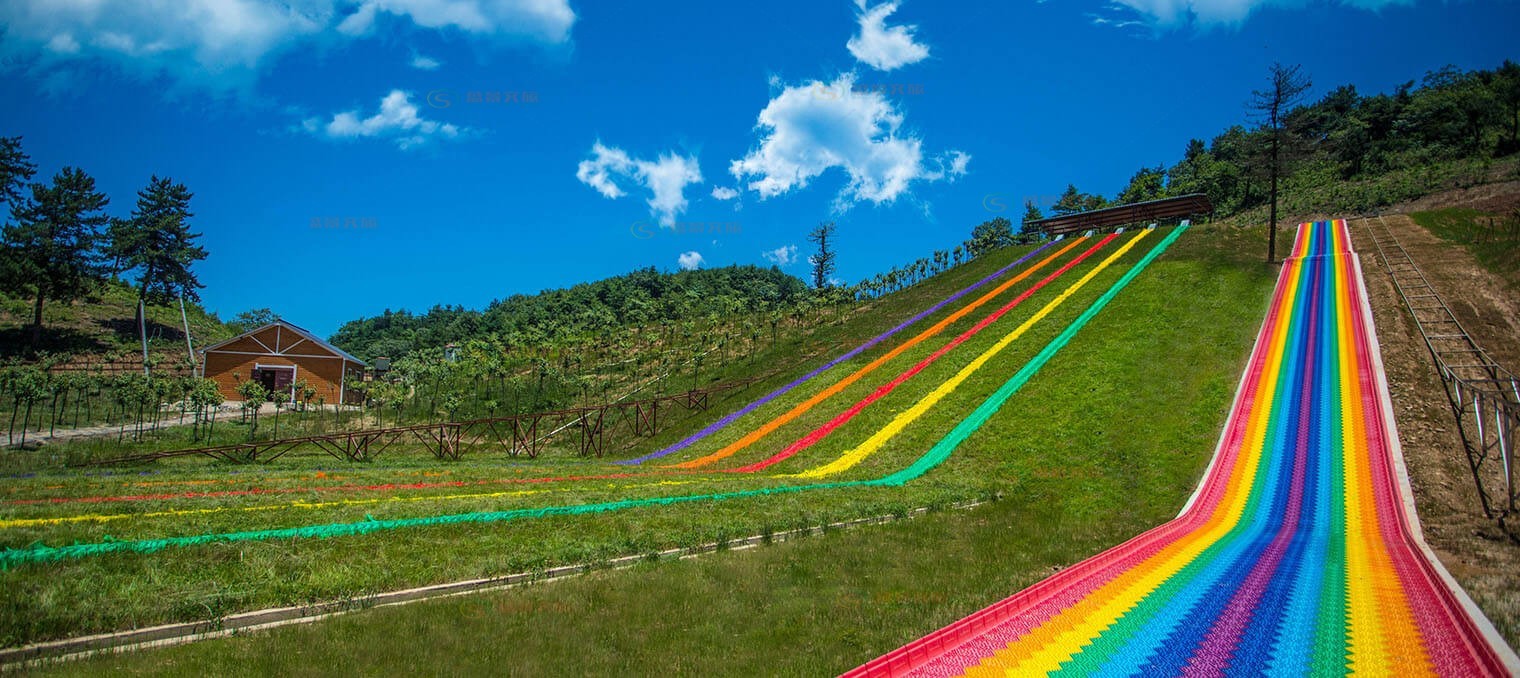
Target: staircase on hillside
x: 1484, y: 397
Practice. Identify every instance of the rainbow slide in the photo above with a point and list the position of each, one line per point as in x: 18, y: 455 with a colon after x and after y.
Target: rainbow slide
x: 1299, y: 554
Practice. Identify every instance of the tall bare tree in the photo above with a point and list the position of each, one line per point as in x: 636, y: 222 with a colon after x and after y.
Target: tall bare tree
x: 823, y: 259
x: 1286, y: 87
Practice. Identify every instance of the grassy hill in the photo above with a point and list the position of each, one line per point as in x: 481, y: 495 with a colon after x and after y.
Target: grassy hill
x: 104, y: 328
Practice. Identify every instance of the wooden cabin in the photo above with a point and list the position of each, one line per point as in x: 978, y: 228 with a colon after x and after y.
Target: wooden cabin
x: 278, y: 355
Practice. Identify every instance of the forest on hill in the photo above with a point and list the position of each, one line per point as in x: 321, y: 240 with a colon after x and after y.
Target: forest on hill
x: 642, y: 297
x: 1346, y: 152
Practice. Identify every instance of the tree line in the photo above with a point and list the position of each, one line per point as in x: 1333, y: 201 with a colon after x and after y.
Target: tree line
x: 59, y: 244
x: 1450, y: 115
x: 646, y: 296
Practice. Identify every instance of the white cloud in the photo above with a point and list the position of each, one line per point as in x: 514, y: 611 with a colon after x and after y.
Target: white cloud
x: 63, y: 43
x: 397, y: 120
x: 690, y: 261
x: 213, y: 42
x: 360, y: 22
x: 724, y: 193
x: 880, y: 46
x: 810, y: 128
x: 781, y: 256
x: 666, y: 178
x: 425, y: 63
x: 547, y: 21
x: 226, y: 44
x: 1169, y: 14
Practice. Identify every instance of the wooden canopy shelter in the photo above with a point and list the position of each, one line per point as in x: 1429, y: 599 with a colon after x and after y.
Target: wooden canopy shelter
x: 1180, y: 207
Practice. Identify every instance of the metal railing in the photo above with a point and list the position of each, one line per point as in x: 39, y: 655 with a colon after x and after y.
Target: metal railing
x: 1484, y: 397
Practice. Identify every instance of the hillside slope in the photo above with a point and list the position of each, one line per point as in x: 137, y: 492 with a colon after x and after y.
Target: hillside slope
x: 104, y: 328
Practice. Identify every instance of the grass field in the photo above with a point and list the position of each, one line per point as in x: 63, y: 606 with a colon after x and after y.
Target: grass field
x: 1109, y: 439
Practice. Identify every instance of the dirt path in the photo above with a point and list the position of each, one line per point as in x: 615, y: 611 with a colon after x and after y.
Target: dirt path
x: 1477, y: 553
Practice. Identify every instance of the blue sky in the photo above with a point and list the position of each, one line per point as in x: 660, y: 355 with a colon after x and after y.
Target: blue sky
x: 350, y: 156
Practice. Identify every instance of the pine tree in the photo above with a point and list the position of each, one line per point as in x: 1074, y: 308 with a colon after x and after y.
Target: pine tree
x: 1070, y: 202
x: 156, y: 242
x: 1032, y: 212
x: 50, y: 249
x: 15, y: 170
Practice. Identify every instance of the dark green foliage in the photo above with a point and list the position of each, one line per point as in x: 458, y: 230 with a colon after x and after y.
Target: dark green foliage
x: 50, y: 250
x: 1073, y: 201
x: 1149, y: 183
x: 1506, y: 85
x: 15, y: 170
x: 1349, y: 152
x: 1032, y: 212
x: 252, y: 319
x: 43, y: 399
x: 1070, y: 202
x: 990, y: 235
x: 642, y: 297
x: 157, y: 244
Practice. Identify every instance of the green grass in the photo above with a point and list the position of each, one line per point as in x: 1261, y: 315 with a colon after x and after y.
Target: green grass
x: 1107, y: 441
x: 1493, y: 240
x: 808, y: 607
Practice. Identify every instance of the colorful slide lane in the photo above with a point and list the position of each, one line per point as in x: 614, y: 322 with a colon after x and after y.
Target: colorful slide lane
x: 731, y: 417
x: 1299, y: 554
x: 817, y: 434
